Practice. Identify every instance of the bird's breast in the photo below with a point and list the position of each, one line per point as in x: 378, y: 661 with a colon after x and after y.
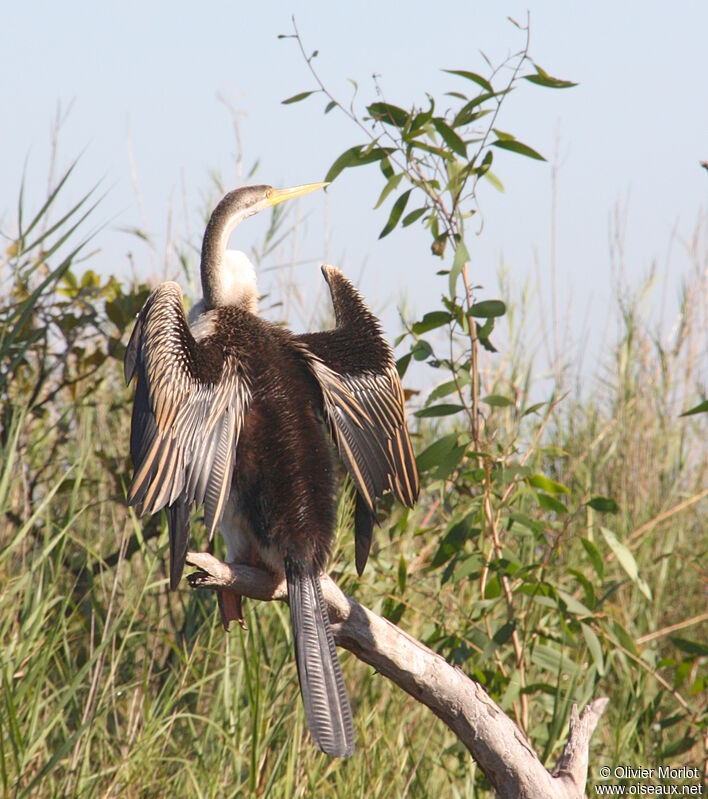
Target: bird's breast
x: 284, y: 476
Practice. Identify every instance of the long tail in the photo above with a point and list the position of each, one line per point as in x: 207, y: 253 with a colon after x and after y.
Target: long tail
x: 327, y: 709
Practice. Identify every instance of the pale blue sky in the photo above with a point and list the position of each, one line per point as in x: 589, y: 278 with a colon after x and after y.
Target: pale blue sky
x: 142, y: 82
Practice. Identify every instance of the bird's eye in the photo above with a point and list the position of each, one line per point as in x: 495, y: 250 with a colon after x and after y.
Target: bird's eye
x: 269, y: 191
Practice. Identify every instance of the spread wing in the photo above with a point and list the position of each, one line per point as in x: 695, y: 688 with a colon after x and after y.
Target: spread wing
x: 364, y: 404
x: 188, y: 413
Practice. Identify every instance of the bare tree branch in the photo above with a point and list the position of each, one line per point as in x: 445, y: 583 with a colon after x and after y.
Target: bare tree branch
x: 492, y: 738
x: 572, y: 767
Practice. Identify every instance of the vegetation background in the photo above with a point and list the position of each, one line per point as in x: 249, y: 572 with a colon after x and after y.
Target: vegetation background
x: 558, y: 551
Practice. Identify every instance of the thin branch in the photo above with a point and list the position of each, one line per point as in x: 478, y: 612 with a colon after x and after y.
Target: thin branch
x: 308, y: 60
x: 667, y: 514
x: 672, y: 628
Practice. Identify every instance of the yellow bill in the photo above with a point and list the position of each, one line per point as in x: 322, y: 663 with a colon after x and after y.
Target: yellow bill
x: 276, y: 196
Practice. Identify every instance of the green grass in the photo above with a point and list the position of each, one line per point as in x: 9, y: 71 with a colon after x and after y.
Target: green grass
x: 112, y: 686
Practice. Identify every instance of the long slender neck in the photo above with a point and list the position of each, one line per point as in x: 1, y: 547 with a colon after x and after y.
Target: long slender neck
x: 222, y: 223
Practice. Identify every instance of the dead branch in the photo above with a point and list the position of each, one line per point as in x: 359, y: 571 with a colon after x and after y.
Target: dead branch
x: 494, y: 741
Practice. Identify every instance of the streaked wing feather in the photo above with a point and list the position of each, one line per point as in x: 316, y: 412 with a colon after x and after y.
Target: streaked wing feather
x: 184, y: 430
x: 178, y: 525
x: 364, y: 519
x: 363, y: 397
x: 364, y: 405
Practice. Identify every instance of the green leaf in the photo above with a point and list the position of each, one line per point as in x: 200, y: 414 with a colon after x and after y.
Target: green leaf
x: 114, y: 312
x: 391, y: 184
x: 485, y: 330
x: 533, y: 408
x: 402, y: 574
x: 547, y: 502
x: 626, y: 560
x: 595, y: 648
x: 603, y: 504
x: 497, y: 401
x: 624, y: 638
x: 494, y: 180
x: 622, y: 553
x: 487, y: 309
x: 517, y: 147
x: 330, y: 105
x: 503, y: 135
x: 551, y: 658
x: 545, y: 601
x: 453, y: 141
x: 347, y: 159
x: 504, y: 633
x: 535, y: 526
x: 691, y: 647
x: 473, y: 76
x: 438, y: 410
x: 451, y: 461
x: 421, y: 350
x: 700, y: 408
x: 469, y: 112
x: 466, y: 117
x: 466, y: 567
x: 450, y: 386
x: 572, y: 604
x: 388, y: 114
x: 409, y: 219
x: 356, y: 156
x: 90, y: 279
x: 542, y: 78
x: 457, y: 533
x: 392, y: 612
x: 437, y: 452
x: 590, y: 598
x: 486, y: 343
x: 461, y: 258
x: 386, y: 168
x: 486, y: 164
x: 547, y: 485
x: 402, y: 364
x: 296, y: 98
x: 678, y: 747
x: 442, y: 152
x: 396, y: 211
x: 431, y: 320
x: 595, y: 556
x: 422, y: 118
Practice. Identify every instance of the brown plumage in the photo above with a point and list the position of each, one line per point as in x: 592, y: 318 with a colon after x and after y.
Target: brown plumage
x: 234, y: 413
x: 365, y: 407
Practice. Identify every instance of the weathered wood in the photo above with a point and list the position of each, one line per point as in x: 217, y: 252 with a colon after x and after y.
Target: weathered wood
x: 492, y: 738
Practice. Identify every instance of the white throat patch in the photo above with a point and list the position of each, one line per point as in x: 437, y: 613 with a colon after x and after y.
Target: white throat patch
x: 238, y: 281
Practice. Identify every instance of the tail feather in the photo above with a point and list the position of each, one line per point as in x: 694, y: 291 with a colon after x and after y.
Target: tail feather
x: 324, y: 694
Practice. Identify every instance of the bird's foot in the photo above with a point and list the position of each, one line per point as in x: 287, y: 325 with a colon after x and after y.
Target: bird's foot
x: 230, y: 608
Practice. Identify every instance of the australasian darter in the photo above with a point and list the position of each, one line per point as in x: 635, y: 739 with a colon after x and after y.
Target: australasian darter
x: 233, y: 412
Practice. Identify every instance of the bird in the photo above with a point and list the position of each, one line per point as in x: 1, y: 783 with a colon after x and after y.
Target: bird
x: 240, y: 415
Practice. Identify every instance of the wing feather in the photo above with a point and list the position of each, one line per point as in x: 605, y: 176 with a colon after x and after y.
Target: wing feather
x: 185, y: 429
x: 364, y: 404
